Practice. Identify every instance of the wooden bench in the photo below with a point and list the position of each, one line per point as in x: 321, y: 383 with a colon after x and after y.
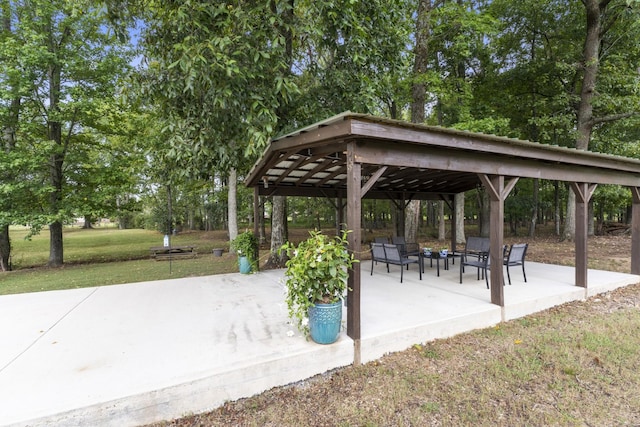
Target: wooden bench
x: 160, y: 253
x: 390, y: 254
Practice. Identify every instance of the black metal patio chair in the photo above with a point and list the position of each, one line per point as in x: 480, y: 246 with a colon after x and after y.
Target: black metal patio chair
x: 479, y: 261
x: 515, y: 257
x: 377, y: 255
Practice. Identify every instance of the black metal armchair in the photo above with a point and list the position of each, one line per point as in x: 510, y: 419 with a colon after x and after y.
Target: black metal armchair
x: 515, y: 257
x: 480, y: 261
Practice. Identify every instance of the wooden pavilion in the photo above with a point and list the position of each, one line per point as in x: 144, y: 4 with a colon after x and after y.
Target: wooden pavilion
x: 354, y: 156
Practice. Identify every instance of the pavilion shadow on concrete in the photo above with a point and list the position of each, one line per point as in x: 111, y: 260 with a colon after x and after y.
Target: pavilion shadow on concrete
x: 354, y: 156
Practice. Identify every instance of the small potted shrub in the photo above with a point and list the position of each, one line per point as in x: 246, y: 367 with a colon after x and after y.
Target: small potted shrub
x: 315, y: 280
x: 246, y: 246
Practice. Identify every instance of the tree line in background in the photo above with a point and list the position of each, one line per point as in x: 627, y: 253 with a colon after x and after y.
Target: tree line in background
x: 152, y: 112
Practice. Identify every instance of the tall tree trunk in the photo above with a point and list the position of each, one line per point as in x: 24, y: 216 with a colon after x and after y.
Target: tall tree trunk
x: 584, y: 114
x: 9, y: 139
x: 412, y: 221
x: 55, y: 229
x: 459, y: 207
x: 56, y: 255
x: 534, y: 134
x: 169, y: 212
x: 277, y: 258
x: 56, y: 177
x: 421, y: 58
x: 232, y: 207
x: 591, y: 222
x: 5, y: 248
x: 569, y: 231
x: 87, y: 222
x: 442, y: 232
x: 418, y: 96
x: 122, y: 221
x: 279, y: 218
x: 534, y: 208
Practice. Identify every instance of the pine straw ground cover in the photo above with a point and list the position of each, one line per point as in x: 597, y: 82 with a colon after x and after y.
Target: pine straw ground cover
x: 577, y: 364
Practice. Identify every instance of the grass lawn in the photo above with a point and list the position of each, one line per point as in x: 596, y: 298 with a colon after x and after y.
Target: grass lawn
x: 99, y: 257
x: 103, y: 245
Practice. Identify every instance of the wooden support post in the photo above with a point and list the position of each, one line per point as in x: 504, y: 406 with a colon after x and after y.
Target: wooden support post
x: 498, y: 192
x: 635, y: 231
x: 403, y: 217
x: 496, y: 231
x: 454, y: 219
x: 354, y: 208
x: 583, y: 192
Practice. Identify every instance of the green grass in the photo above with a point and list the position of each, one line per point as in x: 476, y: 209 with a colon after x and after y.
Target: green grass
x: 102, y: 245
x: 100, y: 257
x: 112, y: 273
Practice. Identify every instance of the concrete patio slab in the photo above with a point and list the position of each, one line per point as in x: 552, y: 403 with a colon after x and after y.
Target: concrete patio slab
x: 132, y: 354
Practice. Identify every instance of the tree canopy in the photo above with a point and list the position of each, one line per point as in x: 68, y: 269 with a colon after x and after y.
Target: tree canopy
x: 103, y: 105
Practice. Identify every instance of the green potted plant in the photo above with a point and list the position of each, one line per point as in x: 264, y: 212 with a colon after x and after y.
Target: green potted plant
x: 246, y: 246
x: 315, y: 280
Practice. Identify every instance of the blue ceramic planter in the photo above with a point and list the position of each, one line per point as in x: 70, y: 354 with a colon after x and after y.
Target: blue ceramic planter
x: 244, y: 265
x: 325, y: 321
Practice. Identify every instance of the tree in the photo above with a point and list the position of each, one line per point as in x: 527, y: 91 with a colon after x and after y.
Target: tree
x: 215, y: 76
x: 68, y: 64
x: 552, y: 85
x: 602, y: 16
x: 10, y: 116
x: 346, y: 55
x: 418, y: 95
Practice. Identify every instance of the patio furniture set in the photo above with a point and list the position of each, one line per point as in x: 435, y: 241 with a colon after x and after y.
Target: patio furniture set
x: 475, y: 255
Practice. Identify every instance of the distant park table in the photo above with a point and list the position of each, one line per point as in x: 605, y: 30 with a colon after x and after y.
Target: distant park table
x: 173, y: 252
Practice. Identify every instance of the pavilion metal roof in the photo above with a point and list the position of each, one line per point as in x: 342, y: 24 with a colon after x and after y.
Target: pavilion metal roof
x: 412, y: 161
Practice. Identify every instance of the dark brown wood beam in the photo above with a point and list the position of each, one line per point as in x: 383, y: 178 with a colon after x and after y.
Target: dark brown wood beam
x: 354, y: 213
x: 583, y: 192
x: 487, y: 144
x: 372, y: 180
x: 450, y: 159
x: 495, y: 188
x: 321, y: 135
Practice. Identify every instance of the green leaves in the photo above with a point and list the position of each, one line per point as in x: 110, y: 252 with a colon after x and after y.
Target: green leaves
x: 220, y: 85
x: 317, y: 271
x: 60, y: 70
